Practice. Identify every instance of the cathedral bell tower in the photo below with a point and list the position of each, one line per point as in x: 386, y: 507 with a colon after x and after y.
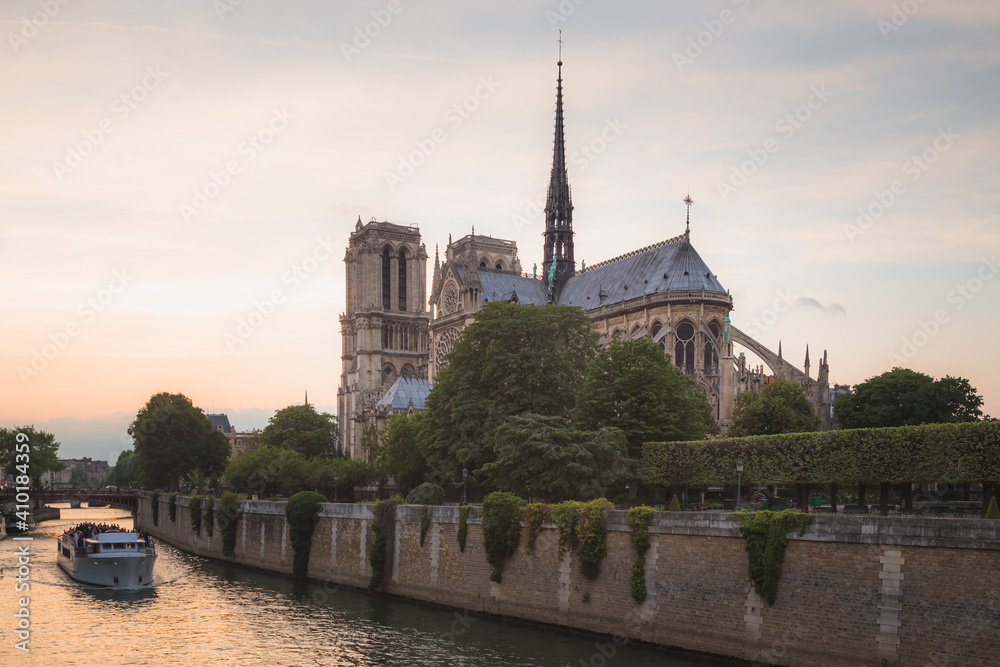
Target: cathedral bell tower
x: 558, y: 210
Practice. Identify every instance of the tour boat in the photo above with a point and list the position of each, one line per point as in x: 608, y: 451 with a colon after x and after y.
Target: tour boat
x: 112, y: 558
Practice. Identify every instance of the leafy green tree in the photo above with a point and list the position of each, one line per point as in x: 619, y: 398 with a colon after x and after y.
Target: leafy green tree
x: 124, y: 472
x: 546, y: 458
x: 172, y: 439
x: 267, y: 471
x: 902, y: 397
x: 512, y: 360
x: 402, y: 454
x: 780, y: 407
x: 78, y: 478
x: 631, y: 385
x: 336, y: 478
x: 23, y: 445
x: 303, y: 430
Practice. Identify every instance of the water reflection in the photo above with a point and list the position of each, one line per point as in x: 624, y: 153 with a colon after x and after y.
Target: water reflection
x: 206, y: 612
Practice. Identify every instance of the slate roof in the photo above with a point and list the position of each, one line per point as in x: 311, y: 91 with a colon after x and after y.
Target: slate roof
x: 403, y: 391
x: 220, y: 420
x: 501, y: 286
x: 673, y: 265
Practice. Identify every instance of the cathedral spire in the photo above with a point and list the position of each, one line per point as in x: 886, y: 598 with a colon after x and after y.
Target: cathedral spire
x: 558, y: 203
x: 688, y: 201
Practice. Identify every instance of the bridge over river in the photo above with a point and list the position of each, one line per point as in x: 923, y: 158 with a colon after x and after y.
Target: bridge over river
x: 123, y: 499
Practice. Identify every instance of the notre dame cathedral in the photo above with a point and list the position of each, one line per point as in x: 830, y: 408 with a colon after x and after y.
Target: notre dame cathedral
x: 396, y: 338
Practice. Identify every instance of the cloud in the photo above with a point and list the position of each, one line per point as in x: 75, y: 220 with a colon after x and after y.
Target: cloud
x: 832, y: 309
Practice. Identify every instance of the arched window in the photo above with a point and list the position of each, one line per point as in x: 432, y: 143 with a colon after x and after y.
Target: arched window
x: 402, y: 280
x: 684, y: 347
x: 711, y: 356
x: 386, y: 280
x: 482, y: 265
x: 654, y: 332
x: 498, y: 267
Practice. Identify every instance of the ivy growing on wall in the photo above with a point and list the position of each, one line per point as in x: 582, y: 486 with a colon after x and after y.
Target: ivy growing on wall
x: 154, y: 503
x: 194, y: 511
x: 385, y: 529
x: 210, y: 516
x: 425, y: 522
x: 535, y: 515
x: 766, y: 536
x: 302, y: 513
x: 564, y: 516
x: 591, y: 532
x: 638, y: 519
x: 501, y: 516
x: 463, y: 526
x: 172, y: 505
x: 229, y: 516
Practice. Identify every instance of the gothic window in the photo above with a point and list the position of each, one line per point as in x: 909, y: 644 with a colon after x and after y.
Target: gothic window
x: 684, y: 347
x: 711, y: 356
x: 443, y: 346
x: 450, y: 300
x: 386, y: 280
x: 482, y: 265
x: 385, y: 336
x: 388, y: 374
x: 406, y: 339
x: 616, y: 335
x: 402, y: 280
x: 498, y: 267
x: 655, y: 331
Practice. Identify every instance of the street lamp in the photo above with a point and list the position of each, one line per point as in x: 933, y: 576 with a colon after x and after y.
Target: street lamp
x: 739, y: 480
x: 465, y: 485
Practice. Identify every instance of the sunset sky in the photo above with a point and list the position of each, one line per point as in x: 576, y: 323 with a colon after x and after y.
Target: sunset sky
x: 169, y: 169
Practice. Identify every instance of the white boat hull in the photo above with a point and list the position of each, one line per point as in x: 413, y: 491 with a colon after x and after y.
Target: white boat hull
x: 129, y: 569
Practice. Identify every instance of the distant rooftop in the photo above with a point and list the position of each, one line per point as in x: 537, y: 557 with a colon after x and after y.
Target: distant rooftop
x: 220, y: 423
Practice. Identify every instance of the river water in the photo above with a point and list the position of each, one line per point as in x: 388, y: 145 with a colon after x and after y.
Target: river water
x: 204, y: 612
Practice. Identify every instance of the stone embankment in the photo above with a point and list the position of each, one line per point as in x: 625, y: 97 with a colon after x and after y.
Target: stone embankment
x: 854, y: 590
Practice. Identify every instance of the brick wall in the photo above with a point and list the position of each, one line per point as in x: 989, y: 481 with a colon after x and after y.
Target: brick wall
x: 854, y: 590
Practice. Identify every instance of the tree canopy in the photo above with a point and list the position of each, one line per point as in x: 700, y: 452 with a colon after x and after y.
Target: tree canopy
x: 275, y: 471
x: 301, y: 429
x: 780, y: 407
x: 512, y: 360
x: 546, y: 458
x: 173, y: 439
x: 23, y: 445
x: 401, y: 453
x: 631, y: 385
x: 902, y: 397
x: 125, y: 471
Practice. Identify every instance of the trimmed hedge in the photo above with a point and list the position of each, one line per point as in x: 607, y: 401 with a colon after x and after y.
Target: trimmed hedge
x: 965, y: 452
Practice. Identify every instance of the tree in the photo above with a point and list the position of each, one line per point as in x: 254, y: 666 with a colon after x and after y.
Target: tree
x: 512, y: 360
x: 23, y: 450
x: 124, y: 472
x: 78, y: 478
x: 267, y: 471
x: 303, y: 430
x: 780, y: 407
x: 547, y: 458
x: 172, y: 439
x: 631, y: 385
x: 402, y: 452
x: 902, y: 397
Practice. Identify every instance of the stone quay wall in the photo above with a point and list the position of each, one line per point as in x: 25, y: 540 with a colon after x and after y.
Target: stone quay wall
x: 854, y: 590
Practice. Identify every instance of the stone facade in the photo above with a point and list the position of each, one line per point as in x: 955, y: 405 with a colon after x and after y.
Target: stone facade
x: 664, y: 291
x: 384, y: 328
x: 853, y: 591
